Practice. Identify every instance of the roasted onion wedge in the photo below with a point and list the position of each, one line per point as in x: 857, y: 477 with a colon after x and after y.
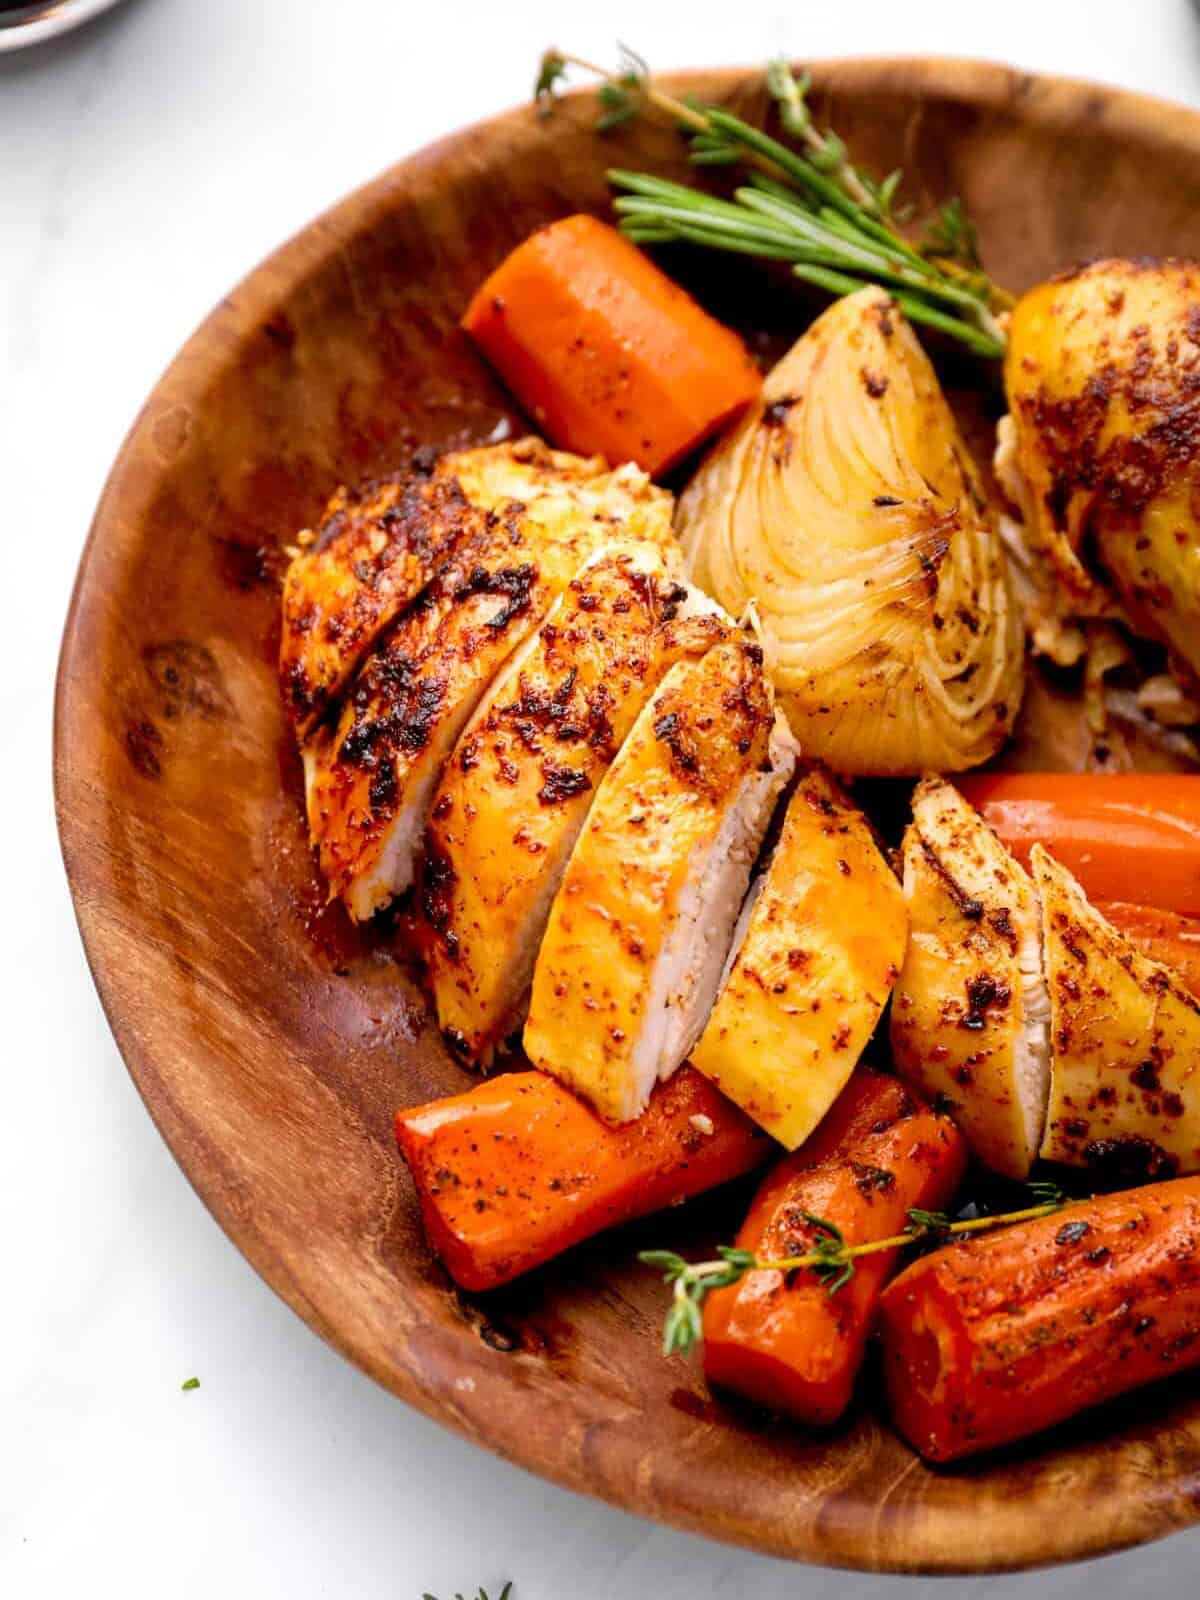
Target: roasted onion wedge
x: 1125, y: 1092
x: 642, y: 922
x: 822, y: 941
x: 1103, y: 381
x: 518, y: 787
x: 845, y: 507
x: 970, y: 1014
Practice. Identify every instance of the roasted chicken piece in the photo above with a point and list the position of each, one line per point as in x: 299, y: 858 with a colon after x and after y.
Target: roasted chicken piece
x: 370, y: 779
x: 642, y: 922
x: 516, y: 791
x: 845, y: 507
x: 970, y: 1014
x: 379, y: 545
x: 1125, y: 1092
x: 375, y: 550
x: 1103, y: 449
x: 822, y: 939
x: 555, y: 483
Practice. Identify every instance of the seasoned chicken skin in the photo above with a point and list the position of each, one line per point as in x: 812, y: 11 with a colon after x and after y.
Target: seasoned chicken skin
x: 371, y: 778
x: 375, y: 550
x: 516, y: 791
x: 823, y: 939
x: 553, y: 483
x: 1103, y: 382
x: 379, y: 545
x: 1125, y: 1093
x: 970, y: 1014
x: 641, y: 925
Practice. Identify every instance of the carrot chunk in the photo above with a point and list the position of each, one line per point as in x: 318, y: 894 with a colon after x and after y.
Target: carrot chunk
x: 516, y: 1170
x: 1165, y: 936
x: 989, y: 1340
x: 604, y: 351
x: 792, y: 1345
x: 1125, y: 836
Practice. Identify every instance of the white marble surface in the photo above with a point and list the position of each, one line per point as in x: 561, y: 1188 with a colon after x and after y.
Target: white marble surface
x: 145, y: 164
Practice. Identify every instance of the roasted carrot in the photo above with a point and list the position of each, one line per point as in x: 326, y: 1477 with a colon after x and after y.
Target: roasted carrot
x: 1126, y: 836
x: 1164, y: 936
x: 992, y: 1339
x: 791, y: 1344
x: 604, y: 351
x: 517, y: 1170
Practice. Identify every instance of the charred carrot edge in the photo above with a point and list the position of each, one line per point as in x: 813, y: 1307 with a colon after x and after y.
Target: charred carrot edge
x: 604, y: 351
x: 792, y: 1345
x: 991, y: 1340
x: 1165, y: 936
x: 516, y: 1170
x: 1132, y: 837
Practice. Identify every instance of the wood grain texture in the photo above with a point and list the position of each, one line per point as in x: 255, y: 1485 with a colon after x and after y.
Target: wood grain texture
x: 272, y: 1041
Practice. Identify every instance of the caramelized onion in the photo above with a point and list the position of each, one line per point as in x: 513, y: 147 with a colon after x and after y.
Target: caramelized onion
x: 846, y: 510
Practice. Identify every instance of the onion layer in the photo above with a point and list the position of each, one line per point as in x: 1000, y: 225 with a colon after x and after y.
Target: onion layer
x: 846, y: 511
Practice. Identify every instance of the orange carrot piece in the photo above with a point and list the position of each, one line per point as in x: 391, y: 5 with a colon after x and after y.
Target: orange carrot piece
x: 516, y: 1170
x: 1164, y: 936
x: 994, y: 1338
x: 792, y: 1345
x: 1125, y: 836
x: 604, y: 351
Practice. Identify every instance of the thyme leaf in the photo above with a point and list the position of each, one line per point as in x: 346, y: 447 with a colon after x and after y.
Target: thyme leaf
x: 831, y: 1260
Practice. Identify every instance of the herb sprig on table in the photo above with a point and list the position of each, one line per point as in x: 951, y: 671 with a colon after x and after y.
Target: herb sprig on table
x: 831, y: 1260
x: 482, y: 1595
x: 803, y: 202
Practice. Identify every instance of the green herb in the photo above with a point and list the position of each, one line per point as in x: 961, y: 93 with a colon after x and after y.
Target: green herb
x: 482, y: 1595
x: 809, y: 206
x: 951, y: 234
x: 191, y: 1383
x: 831, y: 1260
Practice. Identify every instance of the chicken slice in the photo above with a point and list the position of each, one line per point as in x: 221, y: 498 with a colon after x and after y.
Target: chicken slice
x: 970, y: 1015
x: 370, y: 779
x: 375, y: 550
x: 824, y: 935
x: 643, y: 919
x: 1125, y: 1093
x: 529, y: 471
x: 515, y: 794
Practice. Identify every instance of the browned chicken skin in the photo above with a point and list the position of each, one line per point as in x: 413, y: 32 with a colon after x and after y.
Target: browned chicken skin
x: 516, y: 792
x: 375, y: 550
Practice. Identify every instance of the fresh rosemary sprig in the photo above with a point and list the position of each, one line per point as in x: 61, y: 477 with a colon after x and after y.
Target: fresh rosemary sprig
x: 482, y: 1595
x: 831, y: 1260
x: 810, y: 207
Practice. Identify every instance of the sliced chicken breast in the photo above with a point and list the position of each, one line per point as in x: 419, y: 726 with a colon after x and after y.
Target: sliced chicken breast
x: 1125, y: 1094
x: 375, y: 550
x: 515, y: 794
x: 820, y: 944
x: 642, y: 922
x: 970, y: 1014
x: 370, y: 779
x: 529, y: 471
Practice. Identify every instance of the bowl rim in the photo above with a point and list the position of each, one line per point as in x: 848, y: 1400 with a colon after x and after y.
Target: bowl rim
x: 1050, y: 100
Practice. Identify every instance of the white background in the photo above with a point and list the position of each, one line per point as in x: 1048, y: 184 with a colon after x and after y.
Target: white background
x: 145, y: 164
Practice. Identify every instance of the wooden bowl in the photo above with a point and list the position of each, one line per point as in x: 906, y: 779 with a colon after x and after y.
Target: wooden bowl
x: 272, y: 1041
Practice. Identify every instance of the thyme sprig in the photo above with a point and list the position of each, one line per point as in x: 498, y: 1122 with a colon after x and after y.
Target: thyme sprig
x: 482, y: 1595
x: 831, y: 1260
x: 809, y: 206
